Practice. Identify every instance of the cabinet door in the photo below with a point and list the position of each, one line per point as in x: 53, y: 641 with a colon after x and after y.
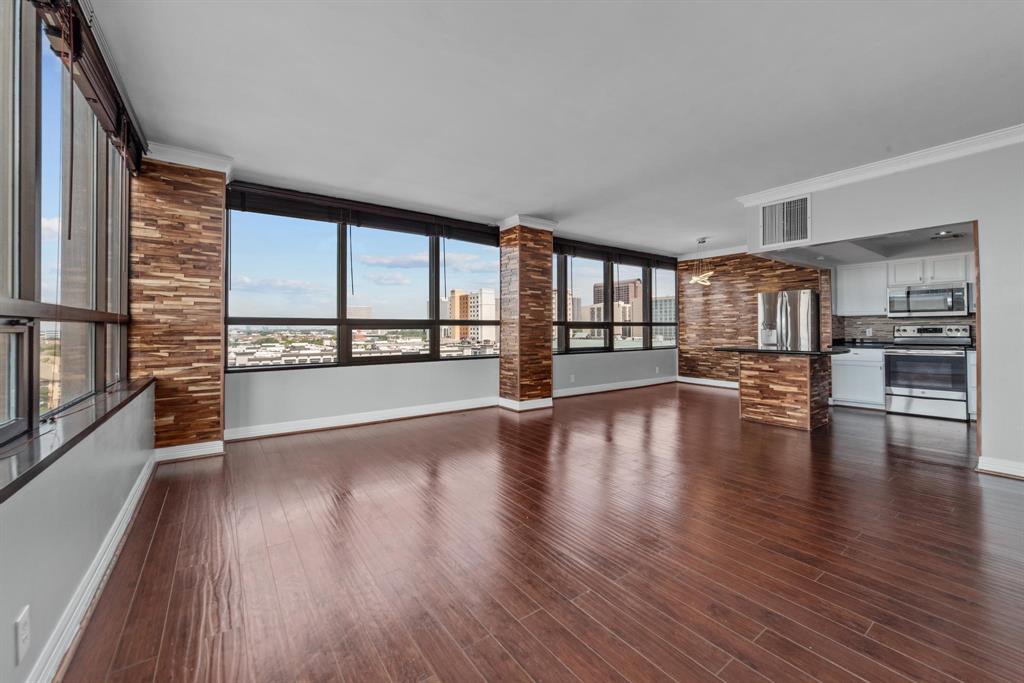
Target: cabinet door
x: 909, y: 272
x: 860, y: 383
x: 860, y: 289
x: 947, y: 268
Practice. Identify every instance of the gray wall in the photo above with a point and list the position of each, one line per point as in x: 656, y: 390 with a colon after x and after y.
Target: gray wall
x: 52, y: 529
x: 254, y: 399
x: 576, y: 372
x: 264, y: 398
x: 987, y: 187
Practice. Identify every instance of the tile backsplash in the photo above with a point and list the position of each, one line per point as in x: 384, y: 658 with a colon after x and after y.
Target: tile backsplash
x: 855, y: 327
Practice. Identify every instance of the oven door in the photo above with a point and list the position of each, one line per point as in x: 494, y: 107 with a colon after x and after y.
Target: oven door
x: 926, y: 373
x: 929, y: 300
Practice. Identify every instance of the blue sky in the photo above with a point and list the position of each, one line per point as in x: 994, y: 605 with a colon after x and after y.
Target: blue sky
x: 50, y: 111
x: 287, y: 267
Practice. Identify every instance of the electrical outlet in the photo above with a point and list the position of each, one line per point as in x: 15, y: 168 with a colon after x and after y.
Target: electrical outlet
x: 869, y: 332
x: 572, y: 379
x: 22, y: 634
x: 657, y: 369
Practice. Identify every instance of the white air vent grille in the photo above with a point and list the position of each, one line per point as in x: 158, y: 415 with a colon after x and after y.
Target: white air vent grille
x: 784, y: 222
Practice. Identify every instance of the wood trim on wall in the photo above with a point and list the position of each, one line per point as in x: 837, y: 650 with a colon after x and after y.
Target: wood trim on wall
x: 176, y: 297
x: 725, y: 313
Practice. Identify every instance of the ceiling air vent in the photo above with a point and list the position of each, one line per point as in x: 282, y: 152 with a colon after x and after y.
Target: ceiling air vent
x: 784, y: 222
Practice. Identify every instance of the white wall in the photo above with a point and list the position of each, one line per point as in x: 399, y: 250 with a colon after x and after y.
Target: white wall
x: 584, y: 373
x: 279, y: 401
x: 53, y: 529
x: 987, y: 187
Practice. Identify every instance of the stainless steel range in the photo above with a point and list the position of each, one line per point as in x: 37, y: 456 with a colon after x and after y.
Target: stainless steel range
x: 926, y: 371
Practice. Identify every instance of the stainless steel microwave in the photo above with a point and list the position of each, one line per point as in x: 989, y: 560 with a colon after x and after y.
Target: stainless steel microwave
x: 930, y: 300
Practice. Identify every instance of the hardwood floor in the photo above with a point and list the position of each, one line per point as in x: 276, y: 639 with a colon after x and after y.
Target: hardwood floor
x: 636, y: 535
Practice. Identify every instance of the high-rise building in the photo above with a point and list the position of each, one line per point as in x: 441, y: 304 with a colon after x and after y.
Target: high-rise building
x: 663, y: 308
x: 626, y: 291
x: 573, y: 306
x: 478, y: 305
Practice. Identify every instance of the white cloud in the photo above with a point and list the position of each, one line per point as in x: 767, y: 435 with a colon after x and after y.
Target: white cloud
x: 389, y: 279
x: 51, y: 228
x: 418, y: 260
x: 469, y: 263
x: 247, y: 283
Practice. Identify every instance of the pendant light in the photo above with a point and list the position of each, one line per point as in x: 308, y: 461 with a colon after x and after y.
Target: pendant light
x: 701, y: 274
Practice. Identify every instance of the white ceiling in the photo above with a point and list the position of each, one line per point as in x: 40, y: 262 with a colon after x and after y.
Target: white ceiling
x: 630, y: 123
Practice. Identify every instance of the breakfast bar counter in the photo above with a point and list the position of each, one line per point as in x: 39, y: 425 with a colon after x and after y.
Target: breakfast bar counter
x: 785, y: 388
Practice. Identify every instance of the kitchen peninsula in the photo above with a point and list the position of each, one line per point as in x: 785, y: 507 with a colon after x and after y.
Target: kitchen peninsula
x: 784, y: 388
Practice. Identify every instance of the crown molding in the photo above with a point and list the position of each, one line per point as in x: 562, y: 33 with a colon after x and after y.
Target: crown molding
x: 709, y: 253
x: 933, y: 155
x: 528, y: 222
x: 190, y: 157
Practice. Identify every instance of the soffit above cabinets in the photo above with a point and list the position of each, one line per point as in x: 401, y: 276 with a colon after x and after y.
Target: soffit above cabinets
x: 958, y: 238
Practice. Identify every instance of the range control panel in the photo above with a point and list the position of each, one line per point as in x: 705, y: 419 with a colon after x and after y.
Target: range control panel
x: 932, y: 331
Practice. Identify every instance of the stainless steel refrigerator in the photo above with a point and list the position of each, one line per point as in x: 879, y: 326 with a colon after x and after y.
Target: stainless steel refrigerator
x: 788, y: 320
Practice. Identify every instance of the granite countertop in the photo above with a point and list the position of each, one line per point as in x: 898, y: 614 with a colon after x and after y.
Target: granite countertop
x: 863, y: 343
x: 777, y: 352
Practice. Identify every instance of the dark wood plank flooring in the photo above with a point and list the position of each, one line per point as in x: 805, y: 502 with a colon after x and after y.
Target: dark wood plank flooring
x: 641, y: 535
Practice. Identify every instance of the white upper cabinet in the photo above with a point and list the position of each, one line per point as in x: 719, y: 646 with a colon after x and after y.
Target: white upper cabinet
x: 946, y: 268
x: 907, y: 272
x: 919, y: 271
x: 860, y: 289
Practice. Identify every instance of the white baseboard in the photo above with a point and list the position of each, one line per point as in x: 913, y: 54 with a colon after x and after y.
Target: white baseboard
x: 596, y: 388
x: 522, y: 406
x: 66, y: 630
x: 357, y: 418
x: 1011, y: 468
x: 721, y: 383
x: 190, y: 450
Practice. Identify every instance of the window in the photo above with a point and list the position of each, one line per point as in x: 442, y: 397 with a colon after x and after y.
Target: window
x: 8, y: 147
x: 628, y: 306
x: 251, y: 346
x: 13, y: 379
x: 116, y: 234
x: 606, y: 299
x: 663, y: 307
x: 390, y: 275
x: 62, y: 272
x: 396, y: 344
x: 65, y: 364
x: 585, y: 302
x: 468, y: 292
x: 320, y: 281
x: 282, y: 267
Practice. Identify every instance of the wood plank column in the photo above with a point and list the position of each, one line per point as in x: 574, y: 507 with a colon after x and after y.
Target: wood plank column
x: 176, y: 288
x: 526, y: 313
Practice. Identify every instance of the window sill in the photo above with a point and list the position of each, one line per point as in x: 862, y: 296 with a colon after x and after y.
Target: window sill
x: 24, y: 458
x: 398, y: 360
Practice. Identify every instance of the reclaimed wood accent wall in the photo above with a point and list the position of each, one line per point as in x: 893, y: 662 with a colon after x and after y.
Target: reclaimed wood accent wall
x: 785, y: 390
x: 725, y: 313
x: 176, y: 293
x: 525, y: 363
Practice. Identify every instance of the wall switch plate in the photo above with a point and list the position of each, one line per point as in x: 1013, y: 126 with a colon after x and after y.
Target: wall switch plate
x: 572, y: 379
x: 657, y: 369
x: 22, y: 634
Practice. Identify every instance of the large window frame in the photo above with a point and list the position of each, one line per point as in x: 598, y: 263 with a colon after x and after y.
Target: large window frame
x: 343, y: 213
x: 564, y: 251
x: 23, y: 313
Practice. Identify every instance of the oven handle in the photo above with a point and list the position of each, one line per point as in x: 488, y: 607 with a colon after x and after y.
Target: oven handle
x: 926, y: 352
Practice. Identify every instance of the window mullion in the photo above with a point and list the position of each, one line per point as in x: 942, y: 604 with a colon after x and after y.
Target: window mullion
x: 434, y: 278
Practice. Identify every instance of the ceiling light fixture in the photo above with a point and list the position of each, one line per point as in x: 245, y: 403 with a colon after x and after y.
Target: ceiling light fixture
x: 701, y: 274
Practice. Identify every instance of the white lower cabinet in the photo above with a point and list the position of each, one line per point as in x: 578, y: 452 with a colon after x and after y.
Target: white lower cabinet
x: 858, y: 379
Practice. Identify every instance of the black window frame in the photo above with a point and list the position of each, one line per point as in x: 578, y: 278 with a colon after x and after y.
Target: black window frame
x: 23, y: 313
x: 565, y: 249
x: 251, y: 197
